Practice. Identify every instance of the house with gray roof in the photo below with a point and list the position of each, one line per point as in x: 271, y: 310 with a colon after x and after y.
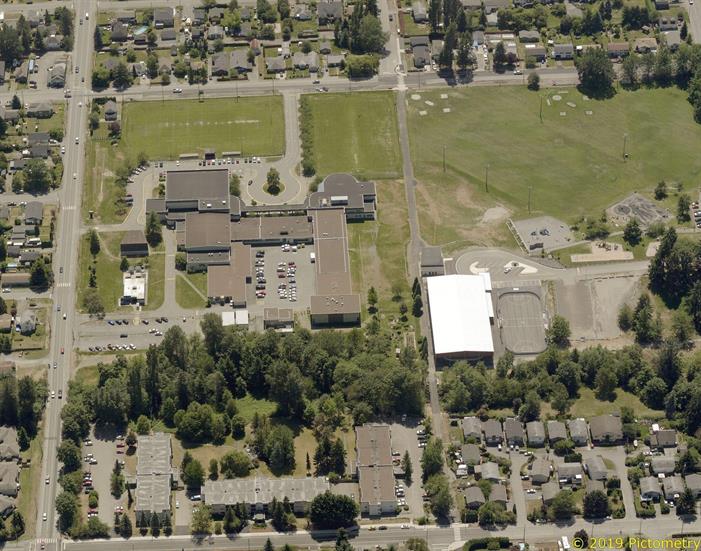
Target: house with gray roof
x: 491, y: 6
x: 497, y: 494
x: 329, y: 11
x: 596, y: 468
x: 474, y: 498
x: 536, y: 433
x: 471, y: 454
x: 9, y: 478
x: 650, y: 489
x: 579, y: 432
x: 110, y: 110
x: 540, y: 470
x: 163, y: 18
x: 57, y: 75
x: 570, y: 473
x: 529, y: 36
x: 119, y: 32
x: 422, y: 56
x: 325, y: 47
x: 492, y: 432
x: 664, y: 438
x: 41, y: 110
x: 335, y: 60
x: 9, y: 448
x: 673, y: 39
x: 472, y: 428
x: 7, y: 505
x: 239, y: 61
x: 673, y: 487
x: 34, y: 213
x: 693, y: 482
x: 556, y: 431
x: 275, y: 64
x: 549, y: 491
x: 606, y: 429
x: 513, y: 429
x: 419, y: 12
x: 490, y: 471
x: 594, y: 486
x: 221, y: 64
x: 662, y: 465
x: 563, y: 51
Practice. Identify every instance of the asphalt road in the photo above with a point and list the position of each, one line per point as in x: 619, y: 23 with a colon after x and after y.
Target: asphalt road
x: 67, y: 233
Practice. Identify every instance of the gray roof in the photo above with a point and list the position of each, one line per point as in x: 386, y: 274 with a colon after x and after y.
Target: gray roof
x: 471, y: 426
x: 262, y: 490
x: 35, y: 210
x: 153, y: 454
x: 471, y: 454
x: 672, y: 486
x: 550, y: 490
x: 432, y: 256
x: 540, y: 468
x: 513, y: 428
x: 650, y: 484
x: 529, y: 36
x: 193, y: 185
x: 134, y: 237
x: 490, y: 471
x: 498, y: 493
x: 152, y: 493
x: 474, y: 495
x: 664, y: 438
x: 662, y: 464
x: 330, y: 10
x: 578, y: 429
x: 556, y: 431
x: 9, y: 478
x: 38, y: 137
x: 563, y: 48
x: 693, y: 482
x: 276, y: 63
x: 596, y: 467
x: 9, y: 448
x: 164, y: 15
x: 569, y: 470
x: 492, y: 429
x: 535, y: 430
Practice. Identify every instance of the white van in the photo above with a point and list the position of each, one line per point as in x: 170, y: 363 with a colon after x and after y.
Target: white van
x: 312, y: 257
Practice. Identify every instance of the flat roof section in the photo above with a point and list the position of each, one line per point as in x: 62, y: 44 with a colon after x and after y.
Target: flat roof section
x: 373, y: 444
x: 459, y: 315
x: 230, y: 280
x: 194, y: 185
x: 331, y: 244
x: 207, y: 230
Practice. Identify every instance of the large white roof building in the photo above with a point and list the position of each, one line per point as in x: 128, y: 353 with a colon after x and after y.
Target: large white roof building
x: 461, y: 315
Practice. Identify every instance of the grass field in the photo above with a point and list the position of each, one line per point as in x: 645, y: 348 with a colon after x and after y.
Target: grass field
x: 100, y: 193
x: 252, y: 125
x: 378, y: 248
x: 356, y: 133
x: 587, y: 405
x: 573, y: 164
x: 185, y: 295
x: 29, y: 479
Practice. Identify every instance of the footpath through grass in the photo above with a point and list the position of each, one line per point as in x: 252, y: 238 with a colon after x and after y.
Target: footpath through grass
x: 356, y: 133
x: 166, y: 129
x: 185, y: 295
x: 572, y: 161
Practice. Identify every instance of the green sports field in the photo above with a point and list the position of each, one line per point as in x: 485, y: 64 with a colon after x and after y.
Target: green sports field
x: 166, y: 129
x: 356, y: 133
x: 572, y: 160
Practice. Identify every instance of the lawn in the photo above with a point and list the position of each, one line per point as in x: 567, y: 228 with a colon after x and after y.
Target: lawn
x: 573, y: 164
x: 166, y: 129
x: 188, y: 297
x: 356, y: 133
x: 587, y: 405
x: 378, y: 248
x: 29, y: 479
x: 101, y: 194
x: 109, y: 276
x: 156, y: 278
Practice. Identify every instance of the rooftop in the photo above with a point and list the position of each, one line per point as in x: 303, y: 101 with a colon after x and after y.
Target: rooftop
x: 192, y: 185
x: 262, y: 490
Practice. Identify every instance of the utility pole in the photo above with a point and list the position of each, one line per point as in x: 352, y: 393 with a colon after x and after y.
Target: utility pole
x: 486, y: 178
x: 541, y: 108
x: 625, y: 140
x: 529, y: 199
x: 443, y: 157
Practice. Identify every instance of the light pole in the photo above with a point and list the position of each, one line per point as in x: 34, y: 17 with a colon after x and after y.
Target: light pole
x: 625, y: 140
x: 486, y: 178
x: 443, y: 157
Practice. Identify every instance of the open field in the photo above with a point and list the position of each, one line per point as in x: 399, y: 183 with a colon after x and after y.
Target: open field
x: 587, y: 405
x: 253, y: 126
x: 356, y: 133
x: 29, y: 479
x: 378, y: 248
x: 572, y: 163
x: 101, y: 194
x: 187, y: 287
x: 156, y: 277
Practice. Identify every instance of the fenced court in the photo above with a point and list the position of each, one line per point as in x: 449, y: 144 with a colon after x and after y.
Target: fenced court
x: 520, y: 317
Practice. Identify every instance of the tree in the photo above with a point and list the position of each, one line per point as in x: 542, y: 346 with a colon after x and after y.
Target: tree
x: 439, y: 492
x: 632, y: 234
x: 143, y: 425
x: 125, y: 527
x: 68, y: 453
x: 406, y: 466
x: 683, y: 206
x: 499, y: 55
x: 10, y: 46
x: 417, y: 307
x: 562, y: 506
x: 372, y: 299
x: 625, y: 317
x: 235, y: 184
x: 193, y: 474
x: 67, y: 508
x: 38, y: 176
x: 273, y: 182
x: 92, y: 302
x: 94, y: 243
x: 432, y: 458
x: 280, y: 449
x: 682, y: 327
x: 530, y: 410
x: 606, y: 382
x: 202, y: 520
x: 595, y: 72
x: 465, y: 56
x: 661, y: 190
x: 124, y: 264
x: 669, y: 363
x: 213, y: 469
x: 153, y: 229
x: 559, y: 331
x: 596, y: 505
x: 686, y: 503
x: 122, y: 76
x: 434, y: 14
x: 97, y: 38
x: 583, y: 536
x: 235, y: 464
x: 329, y: 511
x: 41, y: 275
x: 16, y: 103
x: 534, y: 81
x: 155, y: 525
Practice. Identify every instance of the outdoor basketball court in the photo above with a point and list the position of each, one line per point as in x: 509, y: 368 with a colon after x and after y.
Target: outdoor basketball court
x: 520, y: 317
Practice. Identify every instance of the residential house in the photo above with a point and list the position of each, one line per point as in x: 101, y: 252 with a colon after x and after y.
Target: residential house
x: 474, y: 498
x: 168, y: 35
x: 126, y: 16
x: 673, y: 487
x: 34, y: 213
x: 275, y: 64
x: 9, y: 478
x: 423, y: 40
x: 618, y: 49
x: 334, y: 60
x: 673, y: 39
x: 667, y: 24
x: 478, y: 38
x: 645, y: 44
x: 163, y: 18
x: 39, y: 151
x: 472, y: 429
x: 215, y: 32
x: 662, y: 465
x: 110, y: 110
x: 513, y: 429
x: 491, y: 6
x: 221, y: 64
x: 5, y: 326
x: 594, y: 486
x: 536, y: 433
x: 308, y: 61
x: 9, y: 115
x: 53, y: 43
x: 596, y: 468
x: 536, y: 51
x: 489, y: 471
x: 329, y: 11
x: 119, y: 32
x: 540, y: 471
x: 325, y: 47
x: 663, y: 438
x: 239, y: 61
x: 9, y: 447
x: 556, y: 431
x: 7, y: 506
x: 492, y: 432
x: 650, y: 489
x: 662, y: 4
x: 246, y: 13
x: 27, y: 322
x: 419, y: 12
x: 302, y: 12
x: 57, y: 75
x: 563, y: 51
x: 529, y: 36
x: 570, y: 473
x: 36, y: 138
x: 199, y: 16
x: 549, y: 491
x: 436, y: 49
x: 471, y: 455
x: 216, y: 15
x: 693, y: 483
x: 497, y: 494
x: 41, y: 110
x: 2, y: 72
x: 422, y: 56
x: 606, y: 429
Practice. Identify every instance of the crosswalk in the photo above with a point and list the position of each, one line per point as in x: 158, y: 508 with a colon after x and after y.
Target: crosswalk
x: 64, y: 284
x: 43, y: 543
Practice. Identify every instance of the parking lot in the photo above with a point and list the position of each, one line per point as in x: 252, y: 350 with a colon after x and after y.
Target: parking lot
x: 289, y: 278
x: 104, y: 449
x: 404, y: 438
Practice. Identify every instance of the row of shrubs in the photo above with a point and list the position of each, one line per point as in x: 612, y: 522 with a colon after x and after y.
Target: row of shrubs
x: 306, y: 124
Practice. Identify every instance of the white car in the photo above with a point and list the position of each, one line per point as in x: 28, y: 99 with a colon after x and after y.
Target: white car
x: 53, y: 394
x: 77, y: 139
x: 177, y: 90
x: 75, y: 175
x: 44, y: 516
